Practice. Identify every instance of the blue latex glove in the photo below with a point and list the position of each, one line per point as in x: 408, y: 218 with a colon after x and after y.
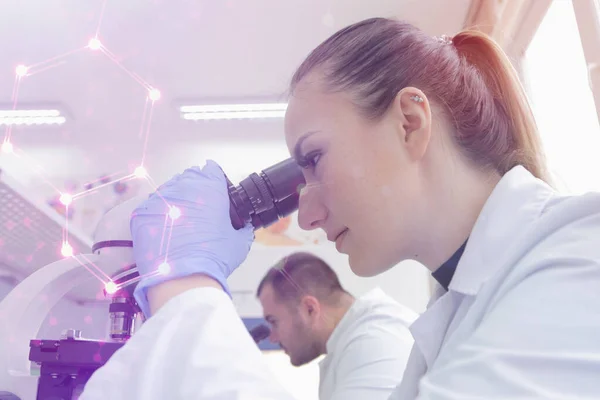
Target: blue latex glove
x: 200, y: 241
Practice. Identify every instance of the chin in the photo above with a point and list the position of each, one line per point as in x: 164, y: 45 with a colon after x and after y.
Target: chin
x: 302, y: 359
x: 365, y: 266
x: 295, y: 363
x: 360, y: 266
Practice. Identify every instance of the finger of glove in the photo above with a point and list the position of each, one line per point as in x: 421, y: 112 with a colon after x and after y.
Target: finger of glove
x: 244, y: 235
x: 228, y: 248
x: 191, y: 185
x: 193, y: 192
x: 214, y: 171
x: 209, y: 181
x: 170, y: 182
x: 194, y: 231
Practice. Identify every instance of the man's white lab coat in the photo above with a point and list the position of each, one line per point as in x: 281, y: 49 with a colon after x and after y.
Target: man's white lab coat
x: 521, y: 319
x: 368, y: 350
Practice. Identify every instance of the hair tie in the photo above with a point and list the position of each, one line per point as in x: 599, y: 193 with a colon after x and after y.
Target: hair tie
x: 444, y: 39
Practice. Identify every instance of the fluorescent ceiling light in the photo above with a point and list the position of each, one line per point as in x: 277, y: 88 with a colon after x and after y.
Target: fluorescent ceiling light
x: 31, y: 117
x: 233, y: 111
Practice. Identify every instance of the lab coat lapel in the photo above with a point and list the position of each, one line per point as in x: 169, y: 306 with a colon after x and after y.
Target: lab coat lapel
x: 428, y: 331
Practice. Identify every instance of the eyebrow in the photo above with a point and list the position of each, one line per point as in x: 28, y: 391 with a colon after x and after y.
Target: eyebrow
x: 298, y: 147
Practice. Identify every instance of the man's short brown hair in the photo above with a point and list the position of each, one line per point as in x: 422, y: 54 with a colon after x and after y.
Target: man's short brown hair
x: 301, y: 274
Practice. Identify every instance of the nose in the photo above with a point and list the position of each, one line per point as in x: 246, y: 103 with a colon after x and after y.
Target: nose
x: 311, y: 211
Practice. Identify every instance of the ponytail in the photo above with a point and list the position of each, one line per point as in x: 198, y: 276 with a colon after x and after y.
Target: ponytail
x: 480, y: 51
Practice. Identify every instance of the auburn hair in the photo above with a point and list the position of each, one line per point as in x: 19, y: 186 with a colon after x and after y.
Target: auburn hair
x: 470, y: 79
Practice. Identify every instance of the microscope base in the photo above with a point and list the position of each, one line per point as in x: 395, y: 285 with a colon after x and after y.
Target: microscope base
x: 66, y: 365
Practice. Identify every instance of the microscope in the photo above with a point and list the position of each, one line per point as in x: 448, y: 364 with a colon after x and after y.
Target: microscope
x: 66, y: 364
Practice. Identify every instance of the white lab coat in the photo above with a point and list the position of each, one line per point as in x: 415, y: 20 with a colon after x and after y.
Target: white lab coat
x: 368, y: 350
x: 195, y: 347
x: 521, y: 319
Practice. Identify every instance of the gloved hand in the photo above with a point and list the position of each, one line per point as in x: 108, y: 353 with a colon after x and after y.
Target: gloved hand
x: 201, y: 240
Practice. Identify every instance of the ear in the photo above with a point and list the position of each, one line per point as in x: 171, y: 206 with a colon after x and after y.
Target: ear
x: 413, y: 112
x: 311, y: 307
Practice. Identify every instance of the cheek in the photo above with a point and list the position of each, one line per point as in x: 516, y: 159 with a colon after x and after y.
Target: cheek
x: 366, y: 200
x: 285, y: 331
x: 353, y: 188
x: 341, y: 187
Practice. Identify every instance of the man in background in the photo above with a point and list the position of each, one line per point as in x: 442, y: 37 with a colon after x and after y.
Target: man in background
x: 365, y: 340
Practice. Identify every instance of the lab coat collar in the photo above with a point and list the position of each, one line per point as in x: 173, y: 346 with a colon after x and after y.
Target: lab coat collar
x: 357, y: 310
x: 501, y: 221
x: 503, y: 217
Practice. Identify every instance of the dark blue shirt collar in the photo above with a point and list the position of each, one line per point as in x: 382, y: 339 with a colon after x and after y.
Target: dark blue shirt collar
x: 445, y: 273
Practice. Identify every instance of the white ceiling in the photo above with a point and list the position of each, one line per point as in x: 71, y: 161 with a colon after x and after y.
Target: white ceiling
x: 232, y: 50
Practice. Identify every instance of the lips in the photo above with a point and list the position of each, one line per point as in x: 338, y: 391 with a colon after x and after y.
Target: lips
x: 339, y: 239
x: 333, y: 238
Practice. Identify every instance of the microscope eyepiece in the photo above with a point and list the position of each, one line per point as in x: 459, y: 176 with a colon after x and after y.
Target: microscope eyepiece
x: 265, y: 197
x: 260, y: 333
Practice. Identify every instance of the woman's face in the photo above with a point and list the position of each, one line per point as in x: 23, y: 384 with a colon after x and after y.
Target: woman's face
x: 362, y: 176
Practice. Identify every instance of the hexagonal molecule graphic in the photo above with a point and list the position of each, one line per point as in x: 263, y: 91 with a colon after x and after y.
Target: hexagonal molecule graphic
x: 64, y: 200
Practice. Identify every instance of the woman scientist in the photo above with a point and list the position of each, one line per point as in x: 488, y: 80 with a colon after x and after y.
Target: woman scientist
x: 413, y: 147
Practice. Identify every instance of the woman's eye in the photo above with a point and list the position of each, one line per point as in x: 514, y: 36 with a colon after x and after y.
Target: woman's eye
x: 311, y: 159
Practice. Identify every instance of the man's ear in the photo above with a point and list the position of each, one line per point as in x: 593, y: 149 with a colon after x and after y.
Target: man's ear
x: 311, y: 306
x: 413, y: 114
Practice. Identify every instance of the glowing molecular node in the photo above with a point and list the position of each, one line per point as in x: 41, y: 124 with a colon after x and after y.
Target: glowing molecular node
x: 174, y: 212
x: 66, y: 250
x: 154, y: 94
x: 21, y: 70
x: 94, y: 44
x: 140, y: 172
x: 164, y: 268
x: 7, y: 147
x: 110, y: 287
x: 66, y: 199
